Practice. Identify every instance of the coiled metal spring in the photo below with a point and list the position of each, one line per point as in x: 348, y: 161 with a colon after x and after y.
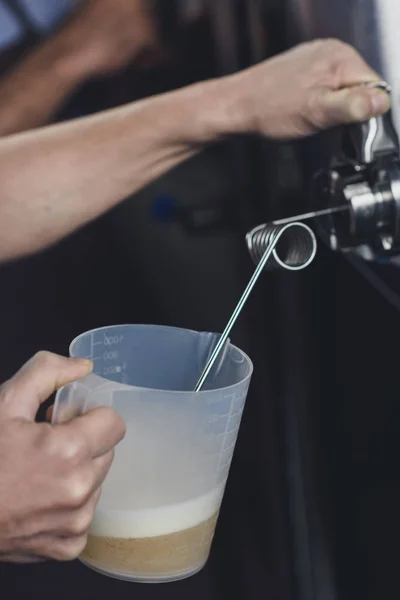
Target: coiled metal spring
x: 293, y: 246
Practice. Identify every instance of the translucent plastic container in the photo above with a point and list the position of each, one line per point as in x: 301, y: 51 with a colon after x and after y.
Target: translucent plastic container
x: 160, y: 502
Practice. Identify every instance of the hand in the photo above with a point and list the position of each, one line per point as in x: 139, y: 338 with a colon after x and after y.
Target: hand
x: 50, y: 476
x: 104, y: 36
x: 313, y: 87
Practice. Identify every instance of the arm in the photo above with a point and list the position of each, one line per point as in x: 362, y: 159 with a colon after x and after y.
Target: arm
x: 36, y: 89
x: 55, y: 180
x: 100, y: 39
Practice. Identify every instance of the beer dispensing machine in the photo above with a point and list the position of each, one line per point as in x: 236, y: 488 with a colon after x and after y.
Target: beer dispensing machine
x: 362, y: 189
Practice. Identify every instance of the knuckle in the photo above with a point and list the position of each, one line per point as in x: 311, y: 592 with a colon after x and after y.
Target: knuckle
x: 44, y: 438
x: 80, y: 523
x: 72, y: 452
x: 110, y: 422
x: 339, y: 53
x: 331, y: 58
x: 47, y: 362
x: 335, y: 47
x: 69, y: 549
x: 314, y: 109
x: 115, y: 422
x: 44, y: 359
x: 78, y: 492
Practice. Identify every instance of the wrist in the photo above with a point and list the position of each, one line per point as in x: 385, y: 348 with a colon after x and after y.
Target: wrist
x: 213, y: 110
x: 235, y: 107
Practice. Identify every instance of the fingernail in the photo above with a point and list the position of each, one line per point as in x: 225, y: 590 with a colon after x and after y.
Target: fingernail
x: 380, y: 102
x: 85, y: 362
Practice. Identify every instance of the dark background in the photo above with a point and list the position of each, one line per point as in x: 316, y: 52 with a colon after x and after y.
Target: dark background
x: 311, y: 510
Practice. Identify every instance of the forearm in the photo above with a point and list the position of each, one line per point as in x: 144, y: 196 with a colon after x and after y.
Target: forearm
x: 37, y: 88
x: 57, y: 179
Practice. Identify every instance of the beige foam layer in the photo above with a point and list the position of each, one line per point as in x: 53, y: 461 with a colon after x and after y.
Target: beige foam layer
x: 155, y: 522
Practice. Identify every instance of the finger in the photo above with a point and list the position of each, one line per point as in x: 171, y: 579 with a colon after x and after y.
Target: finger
x: 56, y: 547
x: 349, y: 106
x: 68, y: 549
x: 66, y: 523
x: 354, y: 69
x: 44, y: 374
x: 346, y: 66
x: 101, y: 467
x: 100, y: 430
x: 75, y: 493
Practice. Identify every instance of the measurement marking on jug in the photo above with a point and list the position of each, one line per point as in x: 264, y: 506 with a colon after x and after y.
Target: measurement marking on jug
x: 217, y: 400
x: 240, y: 399
x: 113, y: 340
x: 215, y: 418
x: 219, y: 467
x: 236, y: 414
x: 230, y: 448
x: 112, y: 370
x: 228, y: 432
x: 114, y: 355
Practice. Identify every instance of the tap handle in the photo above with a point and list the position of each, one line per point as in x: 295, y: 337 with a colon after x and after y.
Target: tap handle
x: 368, y: 141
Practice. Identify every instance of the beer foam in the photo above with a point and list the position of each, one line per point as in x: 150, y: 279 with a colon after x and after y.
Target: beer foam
x: 154, y: 522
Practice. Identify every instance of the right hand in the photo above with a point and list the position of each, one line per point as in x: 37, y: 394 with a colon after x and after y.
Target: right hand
x: 104, y: 36
x: 310, y: 88
x: 50, y: 476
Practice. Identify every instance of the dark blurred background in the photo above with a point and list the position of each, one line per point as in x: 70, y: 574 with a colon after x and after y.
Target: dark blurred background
x: 311, y: 510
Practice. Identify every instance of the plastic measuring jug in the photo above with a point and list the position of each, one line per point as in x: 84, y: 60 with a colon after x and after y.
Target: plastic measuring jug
x: 160, y: 502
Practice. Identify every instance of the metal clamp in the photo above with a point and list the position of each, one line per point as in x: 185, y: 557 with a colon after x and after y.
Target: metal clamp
x: 366, y: 178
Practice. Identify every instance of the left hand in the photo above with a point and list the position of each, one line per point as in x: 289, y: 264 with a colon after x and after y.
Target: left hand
x: 50, y: 475
x: 313, y: 87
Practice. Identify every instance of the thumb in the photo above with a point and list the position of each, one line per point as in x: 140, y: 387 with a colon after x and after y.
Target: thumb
x: 351, y: 105
x: 44, y: 374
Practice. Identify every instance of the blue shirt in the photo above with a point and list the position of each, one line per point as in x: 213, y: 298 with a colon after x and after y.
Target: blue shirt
x: 44, y: 14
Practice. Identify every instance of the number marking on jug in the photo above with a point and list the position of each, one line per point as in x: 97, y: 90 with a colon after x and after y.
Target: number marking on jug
x: 112, y: 340
x: 216, y: 400
x: 112, y: 370
x: 114, y: 355
x: 215, y: 418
